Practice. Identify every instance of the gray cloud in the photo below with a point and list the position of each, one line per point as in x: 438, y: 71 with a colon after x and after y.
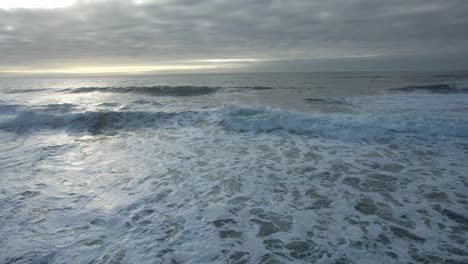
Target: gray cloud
x: 121, y: 32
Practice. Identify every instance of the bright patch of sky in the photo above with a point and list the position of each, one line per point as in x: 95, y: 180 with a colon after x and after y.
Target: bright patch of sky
x: 9, y: 4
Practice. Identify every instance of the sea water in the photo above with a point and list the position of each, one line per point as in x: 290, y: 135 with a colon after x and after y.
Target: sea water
x: 235, y: 168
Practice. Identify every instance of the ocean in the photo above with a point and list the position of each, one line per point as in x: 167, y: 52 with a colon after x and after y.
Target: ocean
x: 344, y: 167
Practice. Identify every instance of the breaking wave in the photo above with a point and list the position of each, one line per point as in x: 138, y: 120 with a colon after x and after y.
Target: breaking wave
x: 346, y: 126
x: 342, y: 125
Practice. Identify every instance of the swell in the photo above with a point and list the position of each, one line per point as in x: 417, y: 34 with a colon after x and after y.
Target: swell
x: 435, y: 88
x: 150, y: 90
x: 29, y: 120
x: 157, y: 90
x: 36, y: 90
x: 254, y: 87
x: 324, y: 100
x: 6, y: 109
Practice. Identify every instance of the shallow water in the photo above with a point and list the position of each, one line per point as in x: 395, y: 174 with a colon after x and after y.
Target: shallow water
x: 241, y: 168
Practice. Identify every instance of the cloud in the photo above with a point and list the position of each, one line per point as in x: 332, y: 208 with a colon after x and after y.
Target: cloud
x: 153, y: 32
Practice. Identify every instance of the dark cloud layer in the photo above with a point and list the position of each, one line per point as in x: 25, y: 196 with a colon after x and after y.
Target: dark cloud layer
x: 123, y: 32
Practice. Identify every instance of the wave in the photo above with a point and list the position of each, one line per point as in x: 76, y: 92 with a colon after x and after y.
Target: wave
x: 435, y: 88
x: 324, y: 100
x: 6, y: 109
x: 29, y: 120
x: 345, y: 126
x: 150, y: 90
x: 36, y: 90
x: 341, y: 125
x: 146, y: 102
x: 254, y: 87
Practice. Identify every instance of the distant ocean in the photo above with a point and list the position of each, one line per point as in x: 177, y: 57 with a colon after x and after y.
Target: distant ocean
x: 235, y: 168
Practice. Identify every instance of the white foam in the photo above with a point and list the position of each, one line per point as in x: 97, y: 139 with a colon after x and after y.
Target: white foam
x: 358, y: 125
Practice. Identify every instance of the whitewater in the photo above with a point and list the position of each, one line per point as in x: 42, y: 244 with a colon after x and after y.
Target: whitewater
x: 235, y: 168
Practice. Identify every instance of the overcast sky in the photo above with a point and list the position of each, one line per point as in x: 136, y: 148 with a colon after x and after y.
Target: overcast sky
x: 231, y: 35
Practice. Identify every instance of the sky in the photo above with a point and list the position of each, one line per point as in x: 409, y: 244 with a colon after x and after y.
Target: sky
x: 88, y: 37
